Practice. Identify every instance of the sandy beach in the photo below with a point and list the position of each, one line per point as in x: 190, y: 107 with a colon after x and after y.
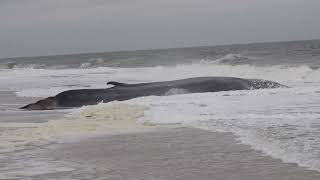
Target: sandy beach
x: 167, y: 154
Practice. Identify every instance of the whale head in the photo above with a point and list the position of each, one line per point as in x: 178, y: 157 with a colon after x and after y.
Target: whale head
x: 44, y: 104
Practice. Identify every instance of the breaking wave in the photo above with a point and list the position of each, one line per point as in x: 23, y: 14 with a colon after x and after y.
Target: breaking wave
x: 280, y: 122
x: 37, y: 64
x: 15, y: 65
x: 51, y: 82
x: 236, y: 59
x: 94, y: 62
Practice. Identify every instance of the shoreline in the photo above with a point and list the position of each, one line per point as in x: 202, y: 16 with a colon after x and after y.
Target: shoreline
x: 173, y: 153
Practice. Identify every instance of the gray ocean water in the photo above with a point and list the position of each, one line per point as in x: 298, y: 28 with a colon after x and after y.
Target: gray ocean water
x: 284, y: 53
x: 276, y: 130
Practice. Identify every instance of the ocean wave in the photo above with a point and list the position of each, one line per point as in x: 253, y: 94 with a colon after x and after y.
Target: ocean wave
x: 92, y: 63
x: 236, y: 59
x: 43, y: 82
x: 15, y: 65
x: 283, y: 125
x: 8, y: 65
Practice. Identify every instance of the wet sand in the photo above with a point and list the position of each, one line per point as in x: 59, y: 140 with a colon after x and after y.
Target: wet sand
x: 179, y: 153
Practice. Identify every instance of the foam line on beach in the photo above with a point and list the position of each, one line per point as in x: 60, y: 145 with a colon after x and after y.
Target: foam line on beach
x: 102, y: 119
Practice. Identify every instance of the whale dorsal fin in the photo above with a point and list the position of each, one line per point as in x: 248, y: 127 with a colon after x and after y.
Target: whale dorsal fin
x: 117, y: 83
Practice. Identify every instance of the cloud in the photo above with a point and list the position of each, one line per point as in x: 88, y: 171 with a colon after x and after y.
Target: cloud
x: 39, y: 27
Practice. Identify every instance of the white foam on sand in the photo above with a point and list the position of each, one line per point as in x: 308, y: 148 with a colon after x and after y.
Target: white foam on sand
x: 102, y: 119
x: 90, y: 121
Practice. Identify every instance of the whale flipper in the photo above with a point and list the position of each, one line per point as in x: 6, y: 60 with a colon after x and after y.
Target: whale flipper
x: 117, y: 84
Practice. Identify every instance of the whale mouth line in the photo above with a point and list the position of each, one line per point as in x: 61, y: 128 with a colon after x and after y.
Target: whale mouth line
x: 34, y: 106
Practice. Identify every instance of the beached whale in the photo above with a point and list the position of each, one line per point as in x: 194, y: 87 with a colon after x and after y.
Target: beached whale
x: 122, y: 91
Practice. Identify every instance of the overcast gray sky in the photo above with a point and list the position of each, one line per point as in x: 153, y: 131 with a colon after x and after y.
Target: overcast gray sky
x: 43, y: 27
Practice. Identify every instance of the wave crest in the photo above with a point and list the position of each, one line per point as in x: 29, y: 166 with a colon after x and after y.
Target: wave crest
x: 236, y: 59
x: 51, y: 82
x: 15, y: 65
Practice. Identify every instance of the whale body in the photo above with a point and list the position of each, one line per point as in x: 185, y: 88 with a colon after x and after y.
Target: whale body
x: 123, y: 91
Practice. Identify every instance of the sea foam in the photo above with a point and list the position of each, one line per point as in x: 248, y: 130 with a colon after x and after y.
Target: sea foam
x: 102, y: 119
x: 51, y: 82
x: 281, y: 124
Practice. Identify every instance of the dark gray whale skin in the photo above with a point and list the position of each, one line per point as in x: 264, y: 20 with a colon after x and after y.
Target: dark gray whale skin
x: 122, y: 91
